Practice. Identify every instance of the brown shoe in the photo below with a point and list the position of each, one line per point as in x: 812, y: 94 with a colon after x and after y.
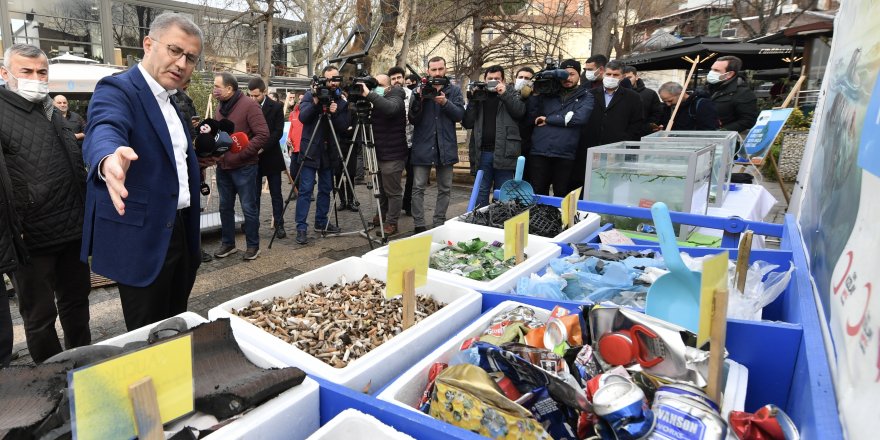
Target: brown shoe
x: 375, y: 221
x: 389, y: 230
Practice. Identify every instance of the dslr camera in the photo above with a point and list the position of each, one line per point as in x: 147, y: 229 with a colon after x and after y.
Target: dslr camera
x: 427, y: 89
x: 354, y: 86
x: 479, y: 90
x: 321, y: 89
x: 549, y: 80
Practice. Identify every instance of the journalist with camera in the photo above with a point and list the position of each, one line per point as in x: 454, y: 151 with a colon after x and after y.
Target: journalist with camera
x: 559, y: 110
x: 435, y: 109
x: 492, y: 114
x: 389, y: 130
x: 324, y: 114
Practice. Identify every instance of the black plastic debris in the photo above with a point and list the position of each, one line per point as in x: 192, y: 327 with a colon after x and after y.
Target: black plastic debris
x: 29, y: 395
x: 544, y: 220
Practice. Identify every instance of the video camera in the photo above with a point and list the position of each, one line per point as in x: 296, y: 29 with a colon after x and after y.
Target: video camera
x: 353, y: 89
x: 479, y: 90
x: 322, y: 90
x: 549, y: 80
x: 427, y: 89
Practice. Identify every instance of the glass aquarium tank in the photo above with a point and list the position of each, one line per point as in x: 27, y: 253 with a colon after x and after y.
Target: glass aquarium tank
x: 725, y: 150
x: 638, y: 174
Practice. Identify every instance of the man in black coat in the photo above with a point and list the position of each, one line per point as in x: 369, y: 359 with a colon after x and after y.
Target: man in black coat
x: 44, y: 163
x: 735, y: 102
x: 617, y: 116
x: 696, y: 113
x: 651, y: 105
x: 271, y: 159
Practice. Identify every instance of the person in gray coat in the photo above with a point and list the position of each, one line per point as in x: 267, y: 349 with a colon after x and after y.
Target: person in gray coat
x: 434, y: 142
x: 495, y: 138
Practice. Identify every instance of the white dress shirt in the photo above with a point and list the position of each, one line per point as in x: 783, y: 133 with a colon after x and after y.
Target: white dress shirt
x: 178, y: 136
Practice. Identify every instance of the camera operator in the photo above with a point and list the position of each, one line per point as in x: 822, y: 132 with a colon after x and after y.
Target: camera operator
x: 434, y: 111
x: 319, y: 154
x: 558, y: 120
x: 389, y: 133
x: 399, y: 79
x: 524, y: 86
x: 492, y: 114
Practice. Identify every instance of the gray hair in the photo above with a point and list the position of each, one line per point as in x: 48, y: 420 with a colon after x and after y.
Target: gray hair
x: 165, y: 21
x: 672, y: 88
x: 24, y: 50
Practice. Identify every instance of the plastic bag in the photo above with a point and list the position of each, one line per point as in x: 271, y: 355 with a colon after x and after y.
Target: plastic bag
x: 759, y: 291
x: 548, y: 286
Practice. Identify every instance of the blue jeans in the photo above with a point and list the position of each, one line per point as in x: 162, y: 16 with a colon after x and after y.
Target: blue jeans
x: 322, y: 204
x: 275, y: 194
x: 240, y: 181
x: 493, y: 178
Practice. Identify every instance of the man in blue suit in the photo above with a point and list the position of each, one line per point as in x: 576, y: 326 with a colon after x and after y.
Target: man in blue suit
x: 141, y: 224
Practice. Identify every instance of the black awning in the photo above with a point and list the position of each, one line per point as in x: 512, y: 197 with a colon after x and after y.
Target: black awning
x: 754, y: 56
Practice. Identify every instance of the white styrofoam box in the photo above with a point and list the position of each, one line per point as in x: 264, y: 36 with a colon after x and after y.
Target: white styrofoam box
x: 539, y: 251
x: 272, y: 418
x: 407, y: 389
x: 352, y: 423
x: 589, y: 223
x: 380, y: 365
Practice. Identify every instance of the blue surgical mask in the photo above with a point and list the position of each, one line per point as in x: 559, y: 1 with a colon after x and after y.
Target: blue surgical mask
x: 380, y: 91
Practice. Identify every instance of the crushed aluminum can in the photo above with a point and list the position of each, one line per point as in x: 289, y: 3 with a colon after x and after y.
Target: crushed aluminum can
x: 623, y: 411
x: 685, y: 390
x: 563, y: 329
x: 686, y: 418
x: 522, y: 314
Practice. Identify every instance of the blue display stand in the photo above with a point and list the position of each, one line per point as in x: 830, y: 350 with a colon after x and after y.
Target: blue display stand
x: 785, y: 357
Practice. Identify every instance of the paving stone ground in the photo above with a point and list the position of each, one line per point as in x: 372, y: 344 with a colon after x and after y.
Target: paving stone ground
x: 223, y: 279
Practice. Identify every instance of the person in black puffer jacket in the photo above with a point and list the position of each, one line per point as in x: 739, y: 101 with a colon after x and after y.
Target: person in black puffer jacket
x: 652, y: 108
x: 45, y: 170
x: 735, y: 102
x: 389, y: 135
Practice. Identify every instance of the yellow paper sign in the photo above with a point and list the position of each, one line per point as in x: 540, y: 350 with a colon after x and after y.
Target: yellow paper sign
x: 714, y: 278
x: 569, y: 207
x: 100, y: 400
x: 510, y: 233
x: 410, y: 253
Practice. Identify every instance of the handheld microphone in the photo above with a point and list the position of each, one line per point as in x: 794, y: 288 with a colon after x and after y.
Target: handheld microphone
x: 240, y: 141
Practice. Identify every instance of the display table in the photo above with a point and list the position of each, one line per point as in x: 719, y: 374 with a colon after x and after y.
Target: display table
x: 750, y: 202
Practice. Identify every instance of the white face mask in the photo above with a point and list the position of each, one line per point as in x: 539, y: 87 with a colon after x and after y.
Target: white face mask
x: 610, y: 83
x: 520, y: 83
x: 590, y: 75
x: 714, y: 77
x: 31, y: 89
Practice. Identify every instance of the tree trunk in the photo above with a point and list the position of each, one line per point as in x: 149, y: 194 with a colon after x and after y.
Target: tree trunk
x: 477, y: 45
x: 405, y: 33
x: 603, y: 19
x: 266, y: 68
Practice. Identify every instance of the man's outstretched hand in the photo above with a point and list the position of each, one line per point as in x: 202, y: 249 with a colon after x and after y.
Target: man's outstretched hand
x: 114, y: 167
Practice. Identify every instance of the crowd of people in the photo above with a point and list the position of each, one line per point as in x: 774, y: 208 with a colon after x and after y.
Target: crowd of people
x: 120, y: 195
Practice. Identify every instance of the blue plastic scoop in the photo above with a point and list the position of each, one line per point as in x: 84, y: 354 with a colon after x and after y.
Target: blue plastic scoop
x: 674, y: 297
x: 518, y: 189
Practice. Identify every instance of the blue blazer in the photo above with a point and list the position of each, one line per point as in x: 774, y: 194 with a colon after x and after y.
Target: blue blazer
x: 131, y: 249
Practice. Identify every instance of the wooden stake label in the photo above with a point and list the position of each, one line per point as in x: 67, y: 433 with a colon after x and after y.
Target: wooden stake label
x: 510, y: 234
x: 106, y: 397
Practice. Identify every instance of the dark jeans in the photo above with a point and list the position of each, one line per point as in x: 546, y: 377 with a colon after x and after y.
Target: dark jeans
x: 169, y: 293
x: 275, y: 193
x: 551, y: 171
x: 54, y: 285
x: 322, y: 202
x: 493, y: 177
x: 239, y: 181
x: 408, y: 187
x: 5, y: 326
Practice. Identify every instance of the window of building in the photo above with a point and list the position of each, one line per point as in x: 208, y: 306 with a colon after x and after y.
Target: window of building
x: 58, y: 26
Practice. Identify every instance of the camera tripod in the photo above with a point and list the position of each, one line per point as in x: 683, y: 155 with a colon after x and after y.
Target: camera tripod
x: 363, y: 135
x: 345, y: 178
